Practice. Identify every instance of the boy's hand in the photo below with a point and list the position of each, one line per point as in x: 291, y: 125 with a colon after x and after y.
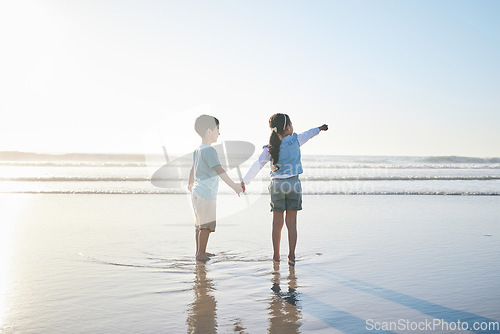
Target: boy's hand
x: 243, y: 186
x: 238, y: 188
x: 190, y: 187
x: 324, y: 127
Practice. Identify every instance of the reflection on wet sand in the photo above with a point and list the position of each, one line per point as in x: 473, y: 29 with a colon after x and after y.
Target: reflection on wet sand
x: 202, y: 314
x: 284, y: 310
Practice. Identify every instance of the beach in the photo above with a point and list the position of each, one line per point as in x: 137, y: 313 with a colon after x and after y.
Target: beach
x: 125, y: 263
x: 387, y: 112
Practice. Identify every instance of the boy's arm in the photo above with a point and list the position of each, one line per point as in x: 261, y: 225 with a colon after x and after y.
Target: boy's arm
x: 191, y: 179
x: 263, y: 159
x: 305, y: 136
x: 223, y: 175
x: 211, y: 158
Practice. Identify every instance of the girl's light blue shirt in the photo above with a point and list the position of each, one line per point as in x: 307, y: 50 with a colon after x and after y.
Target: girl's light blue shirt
x: 289, y: 163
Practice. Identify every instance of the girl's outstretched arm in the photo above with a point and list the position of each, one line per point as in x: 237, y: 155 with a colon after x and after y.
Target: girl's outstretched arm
x: 263, y: 159
x: 305, y: 136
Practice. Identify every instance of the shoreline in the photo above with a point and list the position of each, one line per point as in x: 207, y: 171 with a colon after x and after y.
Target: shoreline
x: 71, y: 192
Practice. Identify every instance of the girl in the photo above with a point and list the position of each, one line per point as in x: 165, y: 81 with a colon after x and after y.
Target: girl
x: 286, y: 192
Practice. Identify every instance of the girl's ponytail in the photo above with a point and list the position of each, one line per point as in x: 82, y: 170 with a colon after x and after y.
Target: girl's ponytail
x: 277, y: 123
x: 274, y: 149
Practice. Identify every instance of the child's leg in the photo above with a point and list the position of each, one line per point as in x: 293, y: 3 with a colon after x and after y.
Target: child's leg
x: 196, y: 236
x: 203, y: 235
x: 277, y: 226
x: 291, y: 225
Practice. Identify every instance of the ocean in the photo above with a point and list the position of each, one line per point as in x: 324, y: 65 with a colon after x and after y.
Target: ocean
x: 323, y: 175
x: 385, y: 245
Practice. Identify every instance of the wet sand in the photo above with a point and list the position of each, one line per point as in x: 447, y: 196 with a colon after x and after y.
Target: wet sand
x: 125, y: 263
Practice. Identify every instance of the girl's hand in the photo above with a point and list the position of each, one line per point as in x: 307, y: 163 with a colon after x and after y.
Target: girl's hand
x: 243, y: 186
x: 190, y: 187
x: 238, y: 188
x: 324, y: 127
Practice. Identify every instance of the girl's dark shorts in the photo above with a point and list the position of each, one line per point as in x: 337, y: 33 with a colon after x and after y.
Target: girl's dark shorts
x: 286, y: 194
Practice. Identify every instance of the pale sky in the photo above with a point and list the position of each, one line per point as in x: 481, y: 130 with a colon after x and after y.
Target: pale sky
x: 389, y: 77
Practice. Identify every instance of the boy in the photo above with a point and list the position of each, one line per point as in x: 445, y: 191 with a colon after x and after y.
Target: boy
x: 204, y: 183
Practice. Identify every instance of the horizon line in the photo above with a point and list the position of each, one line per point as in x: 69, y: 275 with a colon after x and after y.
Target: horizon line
x: 145, y: 154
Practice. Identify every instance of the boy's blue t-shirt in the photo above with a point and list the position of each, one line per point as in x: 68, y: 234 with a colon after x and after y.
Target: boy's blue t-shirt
x: 206, y: 180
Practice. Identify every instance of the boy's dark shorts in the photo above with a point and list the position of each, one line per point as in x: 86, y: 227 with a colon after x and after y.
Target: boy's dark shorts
x: 286, y: 194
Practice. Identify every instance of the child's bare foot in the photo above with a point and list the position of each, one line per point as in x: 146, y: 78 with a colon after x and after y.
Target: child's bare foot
x: 208, y: 254
x: 276, y: 258
x: 202, y: 258
x: 291, y: 261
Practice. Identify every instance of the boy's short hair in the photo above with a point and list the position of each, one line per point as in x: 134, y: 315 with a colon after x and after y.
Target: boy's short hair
x: 205, y: 122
